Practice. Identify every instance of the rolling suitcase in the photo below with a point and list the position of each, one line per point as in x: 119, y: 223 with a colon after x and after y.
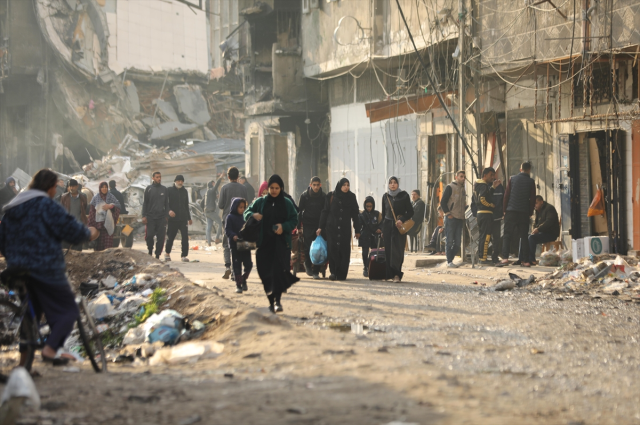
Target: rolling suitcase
x: 377, y: 263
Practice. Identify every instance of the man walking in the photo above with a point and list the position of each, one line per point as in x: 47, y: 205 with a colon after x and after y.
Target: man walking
x: 212, y: 211
x: 115, y: 192
x: 519, y: 202
x: 546, y: 227
x: 453, y: 204
x: 311, y: 205
x: 483, y: 191
x: 231, y: 190
x: 155, y: 210
x: 496, y: 236
x: 179, y: 217
x: 251, y: 192
x: 75, y: 203
x: 418, y: 219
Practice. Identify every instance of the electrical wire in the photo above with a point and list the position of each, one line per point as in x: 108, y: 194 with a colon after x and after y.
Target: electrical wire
x: 444, y: 106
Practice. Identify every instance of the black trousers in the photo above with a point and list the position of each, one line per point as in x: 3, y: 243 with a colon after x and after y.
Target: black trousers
x: 516, y: 223
x: 58, y: 304
x: 239, y: 259
x: 414, y: 238
x: 309, y: 235
x: 485, y: 227
x: 172, y: 232
x: 365, y: 256
x: 339, y: 256
x: 496, y: 240
x: 394, y: 244
x: 156, y: 227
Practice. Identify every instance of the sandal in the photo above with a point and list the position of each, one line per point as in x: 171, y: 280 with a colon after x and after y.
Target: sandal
x: 56, y: 361
x: 501, y: 264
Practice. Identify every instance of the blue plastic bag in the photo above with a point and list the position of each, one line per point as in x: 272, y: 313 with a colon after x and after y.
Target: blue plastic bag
x: 318, y: 251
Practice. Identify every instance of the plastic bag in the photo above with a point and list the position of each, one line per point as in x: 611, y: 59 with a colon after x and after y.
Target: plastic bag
x: 549, y: 259
x: 318, y: 251
x: 597, y: 205
x: 566, y: 257
x: 109, y: 225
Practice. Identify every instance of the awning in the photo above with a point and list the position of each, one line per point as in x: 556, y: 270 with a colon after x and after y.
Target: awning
x: 386, y: 109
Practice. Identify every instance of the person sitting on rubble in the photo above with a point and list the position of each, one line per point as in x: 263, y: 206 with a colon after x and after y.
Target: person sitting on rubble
x: 436, y: 237
x: 75, y: 203
x: 179, y: 218
x: 232, y: 226
x: 100, y: 205
x: 31, y: 234
x: 115, y: 192
x: 546, y: 227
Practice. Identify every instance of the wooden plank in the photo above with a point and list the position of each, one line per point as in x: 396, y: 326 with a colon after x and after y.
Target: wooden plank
x: 396, y: 108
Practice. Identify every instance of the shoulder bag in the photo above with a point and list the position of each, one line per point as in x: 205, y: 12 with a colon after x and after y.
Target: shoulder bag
x: 406, y: 226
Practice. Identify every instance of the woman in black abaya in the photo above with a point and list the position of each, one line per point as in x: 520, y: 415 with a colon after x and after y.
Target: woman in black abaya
x: 279, y: 218
x: 340, y: 208
x: 394, y: 242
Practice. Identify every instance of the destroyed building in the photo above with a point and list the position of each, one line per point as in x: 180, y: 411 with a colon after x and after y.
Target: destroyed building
x: 81, y: 78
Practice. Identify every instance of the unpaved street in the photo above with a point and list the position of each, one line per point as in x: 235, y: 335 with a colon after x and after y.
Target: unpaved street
x: 436, y: 349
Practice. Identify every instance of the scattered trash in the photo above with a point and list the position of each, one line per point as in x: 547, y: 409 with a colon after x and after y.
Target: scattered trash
x: 19, y: 389
x: 109, y: 281
x: 536, y: 351
x: 189, y: 352
x: 190, y: 420
x: 549, y: 259
x: 101, y: 307
x: 71, y: 369
x: 505, y: 285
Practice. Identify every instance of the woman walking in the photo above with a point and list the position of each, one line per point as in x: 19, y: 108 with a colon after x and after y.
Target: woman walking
x: 396, y: 209
x: 100, y: 204
x: 340, y: 208
x: 279, y: 218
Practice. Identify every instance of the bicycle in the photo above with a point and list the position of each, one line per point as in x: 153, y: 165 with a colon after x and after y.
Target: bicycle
x: 18, y: 322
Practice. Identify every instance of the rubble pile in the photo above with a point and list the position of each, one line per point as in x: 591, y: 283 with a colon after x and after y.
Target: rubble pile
x: 598, y: 276
x: 142, y: 306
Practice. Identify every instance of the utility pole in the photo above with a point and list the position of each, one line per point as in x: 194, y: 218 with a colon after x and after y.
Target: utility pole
x: 461, y: 94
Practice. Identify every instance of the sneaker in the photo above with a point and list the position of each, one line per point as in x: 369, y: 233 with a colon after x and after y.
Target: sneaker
x: 308, y: 270
x: 396, y: 279
x: 333, y: 277
x: 167, y: 257
x: 277, y: 307
x: 238, y: 289
x: 185, y: 259
x: 451, y: 266
x: 226, y: 274
x: 316, y: 276
x: 244, y: 286
x: 486, y: 262
x: 271, y: 309
x: 365, y: 273
x: 157, y: 257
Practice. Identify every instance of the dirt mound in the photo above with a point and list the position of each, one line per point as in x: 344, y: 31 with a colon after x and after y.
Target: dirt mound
x: 190, y: 300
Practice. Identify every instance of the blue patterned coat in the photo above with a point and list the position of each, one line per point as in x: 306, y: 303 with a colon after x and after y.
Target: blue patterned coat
x: 31, y: 236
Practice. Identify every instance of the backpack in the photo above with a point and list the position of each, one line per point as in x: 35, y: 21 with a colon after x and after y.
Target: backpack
x: 474, y: 205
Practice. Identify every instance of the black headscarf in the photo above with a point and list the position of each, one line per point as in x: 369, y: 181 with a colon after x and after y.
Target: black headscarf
x: 275, y: 209
x: 338, y: 191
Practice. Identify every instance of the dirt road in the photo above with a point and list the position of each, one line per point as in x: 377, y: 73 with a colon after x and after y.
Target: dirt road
x: 435, y: 349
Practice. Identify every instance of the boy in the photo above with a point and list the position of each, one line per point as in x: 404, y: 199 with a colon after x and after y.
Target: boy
x: 232, y: 226
x: 370, y: 220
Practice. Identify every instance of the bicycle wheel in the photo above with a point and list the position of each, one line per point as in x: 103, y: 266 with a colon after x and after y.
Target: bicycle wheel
x: 26, y: 333
x: 91, y: 338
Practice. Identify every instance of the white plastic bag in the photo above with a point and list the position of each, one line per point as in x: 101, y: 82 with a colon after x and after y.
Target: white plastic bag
x: 109, y: 224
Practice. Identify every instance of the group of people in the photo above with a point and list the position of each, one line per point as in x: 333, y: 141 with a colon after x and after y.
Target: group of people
x: 515, y: 206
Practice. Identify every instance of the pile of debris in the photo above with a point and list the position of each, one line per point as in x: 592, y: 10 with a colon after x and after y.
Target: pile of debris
x: 144, y: 309
x: 597, y: 276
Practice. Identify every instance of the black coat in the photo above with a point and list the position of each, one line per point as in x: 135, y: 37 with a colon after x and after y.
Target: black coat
x: 547, y: 220
x: 418, y: 216
x: 337, y: 214
x: 401, y: 206
x: 179, y: 203
x: 115, y: 192
x: 311, y: 208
